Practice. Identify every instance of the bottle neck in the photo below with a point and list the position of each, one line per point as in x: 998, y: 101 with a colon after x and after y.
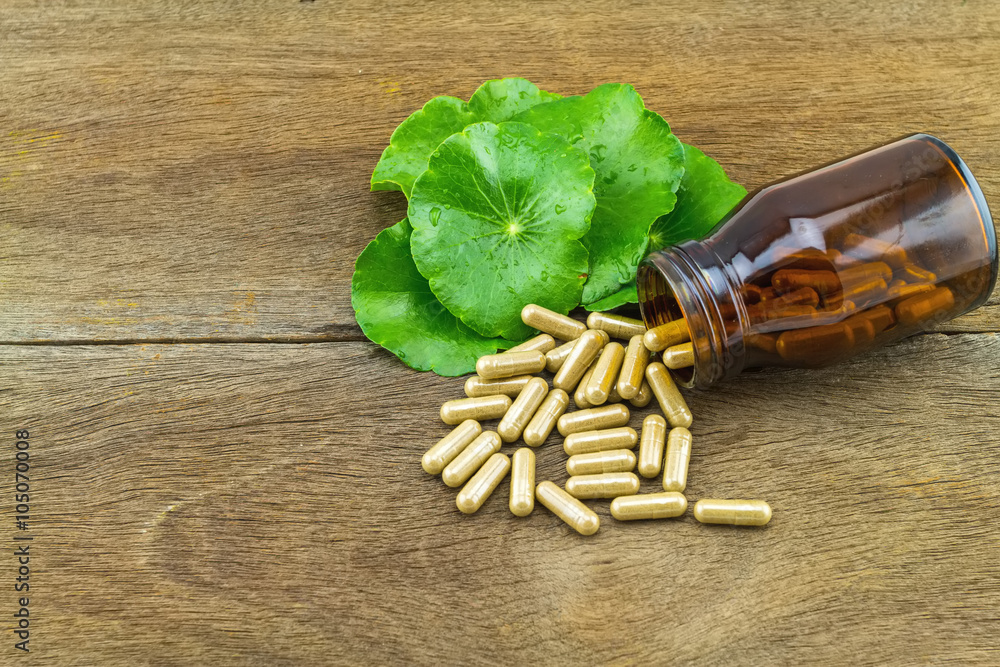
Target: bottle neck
x: 690, y: 281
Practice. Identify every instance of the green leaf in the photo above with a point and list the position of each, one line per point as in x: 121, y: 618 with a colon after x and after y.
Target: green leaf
x: 638, y: 163
x: 497, y: 219
x: 396, y: 309
x: 705, y: 196
x: 625, y: 295
x: 416, y: 137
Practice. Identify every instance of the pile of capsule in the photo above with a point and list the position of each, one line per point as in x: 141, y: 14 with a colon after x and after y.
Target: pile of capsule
x: 600, y: 374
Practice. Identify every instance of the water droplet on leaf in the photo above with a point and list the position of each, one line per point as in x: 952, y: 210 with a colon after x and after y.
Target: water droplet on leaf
x: 598, y: 152
x: 560, y: 209
x: 435, y: 215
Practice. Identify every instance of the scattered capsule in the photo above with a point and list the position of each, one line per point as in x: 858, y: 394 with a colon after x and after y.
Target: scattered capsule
x: 679, y: 356
x: 605, y: 373
x: 587, y: 347
x: 483, y: 483
x: 448, y: 447
x: 666, y: 335
x: 604, y: 485
x: 542, y: 343
x: 480, y: 408
x: 617, y: 326
x: 538, y: 429
x: 578, y: 516
x: 593, y: 419
x: 644, y: 396
x: 733, y: 512
x: 614, y: 460
x: 633, y: 368
x: 654, y: 436
x: 580, y: 395
x: 476, y: 386
x: 675, y: 469
x: 552, y: 323
x: 554, y: 359
x: 672, y: 404
x: 471, y: 459
x: 522, y: 482
x: 587, y: 442
x: 508, y: 364
x: 649, y: 506
x: 523, y: 409
x: 613, y: 396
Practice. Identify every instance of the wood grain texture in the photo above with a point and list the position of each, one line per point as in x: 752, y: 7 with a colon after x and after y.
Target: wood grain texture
x: 264, y: 504
x: 199, y: 171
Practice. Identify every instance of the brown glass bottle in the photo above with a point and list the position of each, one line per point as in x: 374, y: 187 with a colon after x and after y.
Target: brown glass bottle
x: 825, y: 265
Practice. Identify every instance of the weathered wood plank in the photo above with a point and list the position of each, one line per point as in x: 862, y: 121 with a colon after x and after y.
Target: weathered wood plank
x: 180, y: 171
x: 264, y: 504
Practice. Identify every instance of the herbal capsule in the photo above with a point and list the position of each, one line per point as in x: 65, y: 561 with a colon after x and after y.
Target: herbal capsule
x: 617, y: 326
x: 483, y: 483
x: 679, y: 356
x: 587, y: 442
x: 925, y: 306
x: 666, y: 335
x: 522, y: 482
x: 613, y: 396
x: 668, y: 395
x: 538, y: 429
x: 606, y: 416
x: 508, y: 364
x: 552, y: 323
x: 654, y: 435
x: 554, y: 359
x: 522, y: 410
x: 480, y: 409
x: 633, y: 368
x: 471, y: 459
x: 476, y: 386
x: 815, y: 343
x: 604, y: 485
x: 864, y: 272
x: 890, y: 253
x: 605, y: 373
x: 823, y: 282
x: 733, y: 512
x: 675, y: 469
x: 649, y: 506
x: 614, y: 460
x: 644, y: 396
x: 580, y: 395
x: 587, y: 347
x: 542, y: 343
x: 578, y: 516
x: 914, y: 274
x: 448, y: 447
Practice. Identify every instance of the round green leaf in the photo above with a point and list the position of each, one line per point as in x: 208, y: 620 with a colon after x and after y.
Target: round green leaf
x: 627, y: 294
x: 497, y: 219
x: 396, y: 309
x: 638, y: 162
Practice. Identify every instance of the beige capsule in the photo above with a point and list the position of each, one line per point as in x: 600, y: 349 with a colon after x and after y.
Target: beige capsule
x: 587, y: 347
x: 471, y: 459
x: 643, y: 398
x: 604, y: 485
x: 617, y: 326
x: 649, y: 506
x: 509, y: 364
x: 578, y: 516
x: 554, y: 359
x: 679, y: 356
x: 666, y: 335
x: 672, y: 404
x: 593, y: 419
x: 476, y: 386
x: 450, y: 446
x: 613, y: 396
x: 586, y: 442
x: 633, y: 368
x: 551, y: 322
x: 675, y: 470
x: 551, y: 409
x: 580, y: 395
x: 614, y: 460
x: 480, y: 408
x: 483, y: 483
x: 522, y: 482
x: 732, y: 512
x: 651, y: 445
x: 605, y: 373
x: 523, y: 409
x: 542, y: 343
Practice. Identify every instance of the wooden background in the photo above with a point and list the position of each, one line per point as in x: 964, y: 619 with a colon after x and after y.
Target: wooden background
x: 225, y: 471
